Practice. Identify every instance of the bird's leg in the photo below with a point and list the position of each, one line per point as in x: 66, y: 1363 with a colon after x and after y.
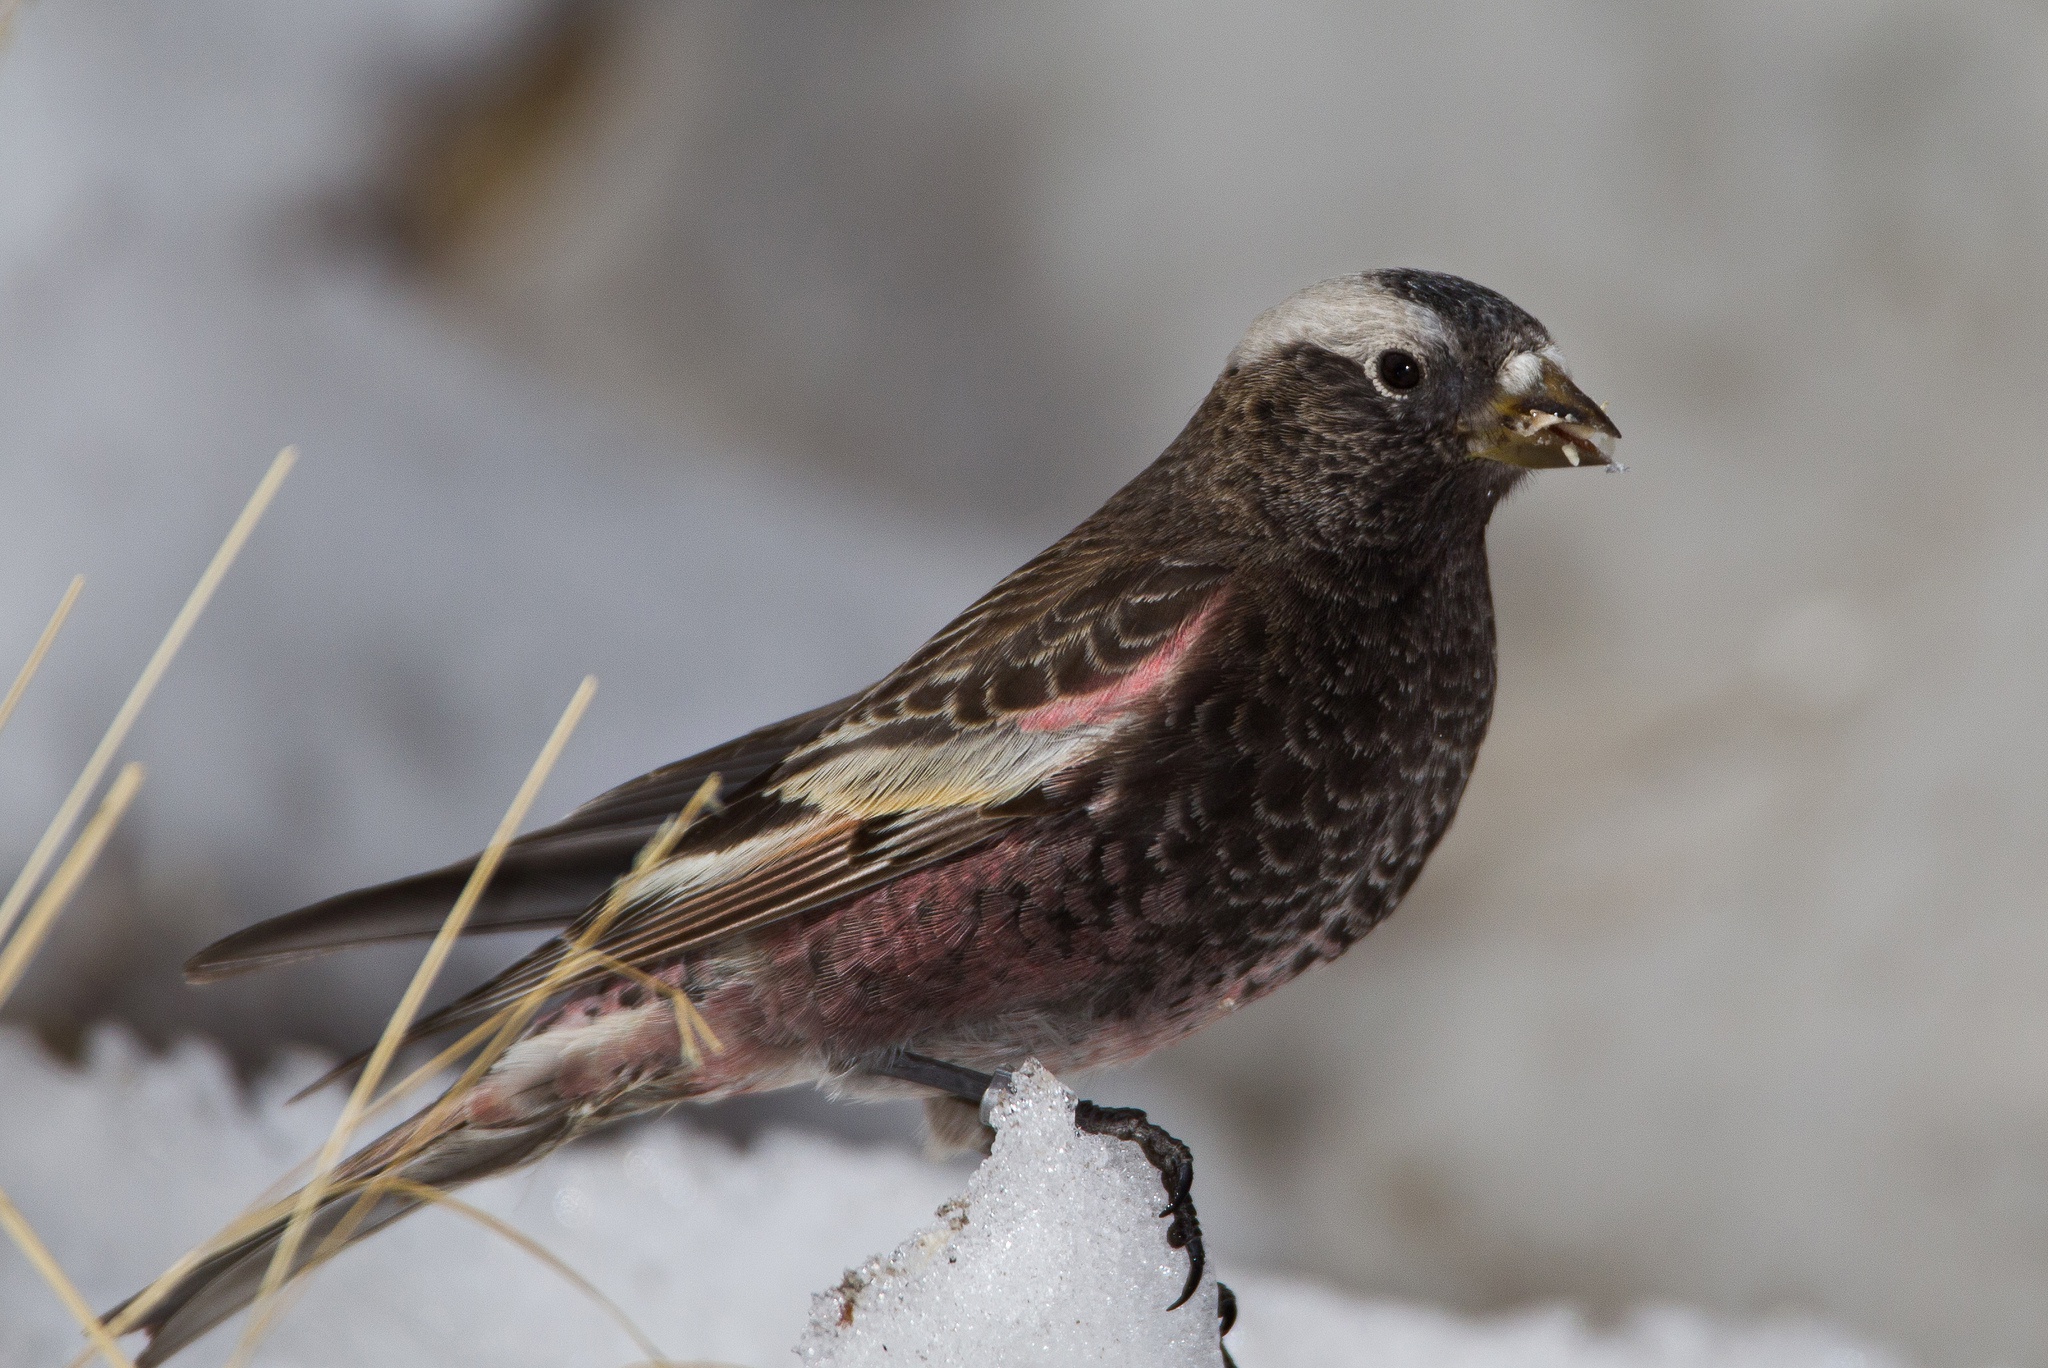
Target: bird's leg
x: 1226, y: 1316
x: 969, y: 1085
x: 1175, y: 1163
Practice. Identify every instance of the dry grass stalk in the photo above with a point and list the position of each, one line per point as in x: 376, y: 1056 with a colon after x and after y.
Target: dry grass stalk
x: 539, y: 1251
x: 434, y: 1067
x: 401, y: 1021
x: 512, y: 1021
x: 506, y: 1023
x: 13, y: 964
x: 24, y: 1235
x: 78, y: 861
x: 248, y: 1223
x: 515, y: 1018
x: 653, y: 853
x: 509, y: 1021
x: 42, y: 648
x: 691, y: 1027
x: 21, y: 948
x: 117, y: 730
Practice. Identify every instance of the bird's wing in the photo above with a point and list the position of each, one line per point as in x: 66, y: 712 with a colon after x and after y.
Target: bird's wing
x: 970, y: 736
x: 547, y: 876
x: 926, y: 765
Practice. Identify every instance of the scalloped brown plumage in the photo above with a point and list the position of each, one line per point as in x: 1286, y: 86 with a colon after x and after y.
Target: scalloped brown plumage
x: 1200, y: 744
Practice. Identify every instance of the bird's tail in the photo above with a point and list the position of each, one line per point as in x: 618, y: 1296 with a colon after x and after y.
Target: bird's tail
x: 376, y: 1186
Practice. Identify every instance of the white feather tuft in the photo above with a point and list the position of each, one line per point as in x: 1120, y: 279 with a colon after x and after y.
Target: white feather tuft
x: 1349, y: 315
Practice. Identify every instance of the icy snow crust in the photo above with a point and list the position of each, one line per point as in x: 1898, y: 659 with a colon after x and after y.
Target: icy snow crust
x: 1056, y: 1255
x: 716, y: 1252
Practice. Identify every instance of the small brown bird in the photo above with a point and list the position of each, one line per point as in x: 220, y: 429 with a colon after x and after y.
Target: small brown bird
x: 1201, y: 744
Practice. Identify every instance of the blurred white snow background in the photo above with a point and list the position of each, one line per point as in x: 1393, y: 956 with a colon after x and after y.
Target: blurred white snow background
x: 715, y: 1253
x: 793, y: 326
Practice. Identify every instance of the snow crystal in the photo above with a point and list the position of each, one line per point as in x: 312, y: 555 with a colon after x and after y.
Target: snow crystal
x: 1055, y: 1255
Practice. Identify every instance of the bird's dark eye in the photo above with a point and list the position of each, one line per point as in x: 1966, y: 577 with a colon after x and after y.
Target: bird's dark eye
x: 1398, y: 370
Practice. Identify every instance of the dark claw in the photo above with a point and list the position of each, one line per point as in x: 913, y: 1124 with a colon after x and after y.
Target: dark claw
x: 1226, y: 1313
x: 1176, y: 1171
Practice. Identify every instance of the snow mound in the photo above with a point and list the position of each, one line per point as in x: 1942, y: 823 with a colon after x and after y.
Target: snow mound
x: 1053, y: 1256
x: 1056, y: 1254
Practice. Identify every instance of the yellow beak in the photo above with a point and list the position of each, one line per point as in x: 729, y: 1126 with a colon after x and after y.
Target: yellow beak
x: 1539, y: 420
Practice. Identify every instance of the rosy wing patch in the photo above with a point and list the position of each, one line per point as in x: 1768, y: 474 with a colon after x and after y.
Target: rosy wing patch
x: 1112, y: 700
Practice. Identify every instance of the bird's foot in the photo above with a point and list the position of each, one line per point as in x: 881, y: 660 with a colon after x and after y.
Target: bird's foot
x: 1176, y: 1164
x: 1226, y: 1316
x: 1176, y: 1167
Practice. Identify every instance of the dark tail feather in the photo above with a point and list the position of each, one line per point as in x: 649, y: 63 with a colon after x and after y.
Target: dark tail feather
x: 229, y: 1281
x: 548, y: 876
x: 534, y: 890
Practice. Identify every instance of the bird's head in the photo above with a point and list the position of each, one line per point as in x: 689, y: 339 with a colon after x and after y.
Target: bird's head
x: 1388, y: 380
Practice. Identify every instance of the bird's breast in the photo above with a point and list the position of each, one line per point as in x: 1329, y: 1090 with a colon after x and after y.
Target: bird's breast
x: 1296, y: 787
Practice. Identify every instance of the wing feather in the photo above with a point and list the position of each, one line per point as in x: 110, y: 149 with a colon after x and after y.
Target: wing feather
x: 828, y: 866
x: 968, y: 738
x: 547, y: 878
